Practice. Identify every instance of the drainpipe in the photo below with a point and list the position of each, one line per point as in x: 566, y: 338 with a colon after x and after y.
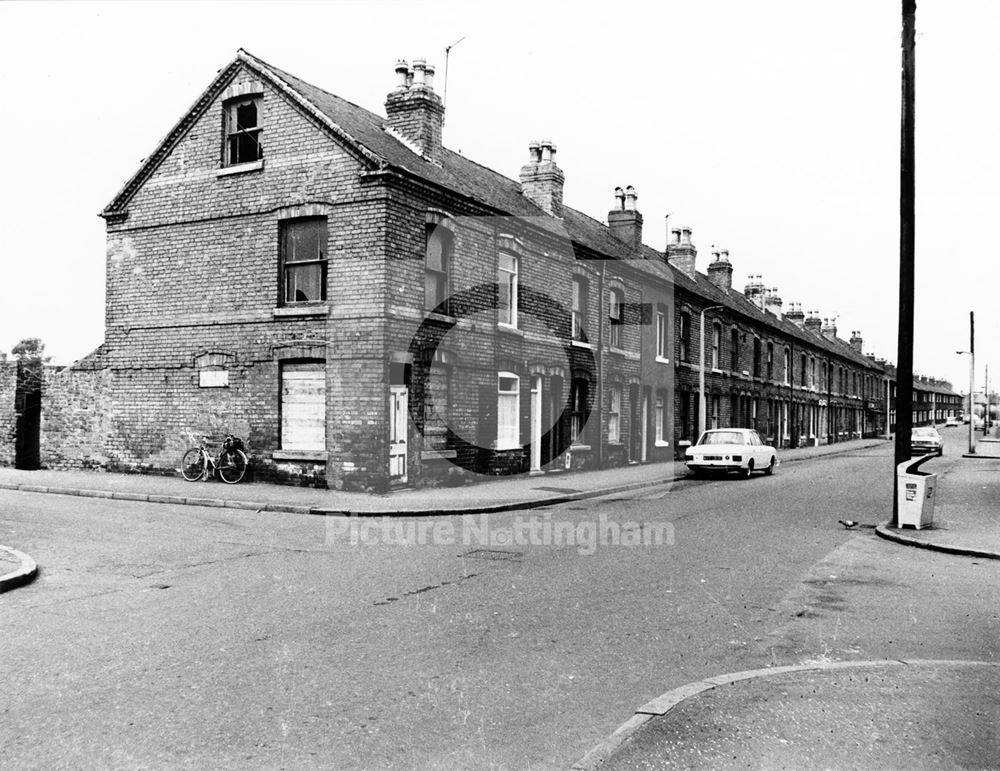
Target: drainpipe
x: 600, y: 366
x: 793, y: 439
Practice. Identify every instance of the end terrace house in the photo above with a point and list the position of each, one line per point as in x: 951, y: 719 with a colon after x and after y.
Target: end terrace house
x: 367, y: 307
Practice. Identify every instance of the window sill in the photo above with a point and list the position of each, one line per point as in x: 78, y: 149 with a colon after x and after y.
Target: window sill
x: 438, y: 454
x: 662, y: 360
x: 509, y: 330
x: 441, y: 318
x: 616, y: 351
x: 300, y: 311
x: 321, y: 455
x: 240, y: 168
x: 581, y: 344
x: 579, y: 448
x: 661, y: 444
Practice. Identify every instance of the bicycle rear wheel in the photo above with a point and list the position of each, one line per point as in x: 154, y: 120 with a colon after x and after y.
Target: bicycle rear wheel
x: 193, y: 465
x: 232, y: 466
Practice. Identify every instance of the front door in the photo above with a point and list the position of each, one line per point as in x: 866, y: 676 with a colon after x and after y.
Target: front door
x: 644, y: 426
x: 398, y: 409
x: 536, y: 423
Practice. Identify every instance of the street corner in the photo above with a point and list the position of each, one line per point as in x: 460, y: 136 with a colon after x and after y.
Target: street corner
x: 962, y: 539
x: 793, y: 717
x: 18, y: 569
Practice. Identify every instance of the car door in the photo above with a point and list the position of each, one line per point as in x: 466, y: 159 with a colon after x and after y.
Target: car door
x: 759, y: 451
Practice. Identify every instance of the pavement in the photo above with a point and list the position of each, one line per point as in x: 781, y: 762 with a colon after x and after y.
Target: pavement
x: 493, y: 494
x: 833, y: 714
x: 890, y: 713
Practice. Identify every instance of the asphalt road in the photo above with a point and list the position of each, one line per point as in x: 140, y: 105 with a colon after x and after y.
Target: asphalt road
x: 161, y: 636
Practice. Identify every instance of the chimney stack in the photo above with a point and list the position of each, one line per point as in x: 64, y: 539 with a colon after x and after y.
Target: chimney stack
x: 754, y: 290
x: 414, y: 109
x: 857, y: 342
x: 541, y: 179
x: 681, y: 254
x: 814, y: 323
x: 772, y: 302
x: 829, y: 328
x: 795, y: 315
x: 720, y: 270
x: 625, y: 220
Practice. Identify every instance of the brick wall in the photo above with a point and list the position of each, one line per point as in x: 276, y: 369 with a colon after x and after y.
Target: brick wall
x: 8, y: 417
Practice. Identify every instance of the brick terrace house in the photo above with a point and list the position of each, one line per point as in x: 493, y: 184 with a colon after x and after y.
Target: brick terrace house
x: 369, y: 308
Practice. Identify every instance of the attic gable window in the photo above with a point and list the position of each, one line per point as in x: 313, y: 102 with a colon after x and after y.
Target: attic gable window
x: 243, y: 130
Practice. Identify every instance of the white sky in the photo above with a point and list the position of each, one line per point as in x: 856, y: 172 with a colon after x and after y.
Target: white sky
x: 770, y: 127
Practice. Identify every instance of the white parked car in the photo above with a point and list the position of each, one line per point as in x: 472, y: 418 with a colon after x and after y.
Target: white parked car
x: 731, y: 449
x: 950, y: 422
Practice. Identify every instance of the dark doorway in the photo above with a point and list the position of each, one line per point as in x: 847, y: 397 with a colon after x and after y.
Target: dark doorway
x: 28, y: 407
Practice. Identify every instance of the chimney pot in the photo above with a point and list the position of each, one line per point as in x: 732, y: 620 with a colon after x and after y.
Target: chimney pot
x: 546, y: 150
x: 619, y: 199
x: 676, y: 232
x: 419, y: 68
x: 429, y: 76
x: 686, y: 236
x: 630, y: 198
x: 402, y: 75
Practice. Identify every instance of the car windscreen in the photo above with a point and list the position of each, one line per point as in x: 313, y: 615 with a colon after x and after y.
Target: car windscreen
x: 924, y: 432
x: 723, y: 437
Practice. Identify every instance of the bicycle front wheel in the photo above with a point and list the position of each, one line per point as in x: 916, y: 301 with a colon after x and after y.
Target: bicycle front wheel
x: 193, y: 465
x: 232, y: 466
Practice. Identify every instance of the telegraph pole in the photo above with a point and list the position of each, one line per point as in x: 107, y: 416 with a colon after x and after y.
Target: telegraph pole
x: 907, y: 241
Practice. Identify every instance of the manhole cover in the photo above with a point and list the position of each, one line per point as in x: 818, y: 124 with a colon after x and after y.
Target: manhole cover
x: 493, y: 554
x: 558, y: 489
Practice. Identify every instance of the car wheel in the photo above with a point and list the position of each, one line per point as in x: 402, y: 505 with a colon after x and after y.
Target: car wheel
x: 748, y: 470
x: 770, y: 466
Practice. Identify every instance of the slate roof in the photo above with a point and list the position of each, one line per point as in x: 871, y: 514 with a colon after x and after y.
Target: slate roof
x: 366, y: 133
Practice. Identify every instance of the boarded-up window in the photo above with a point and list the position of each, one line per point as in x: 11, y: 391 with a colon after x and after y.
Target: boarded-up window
x: 303, y: 406
x: 213, y: 370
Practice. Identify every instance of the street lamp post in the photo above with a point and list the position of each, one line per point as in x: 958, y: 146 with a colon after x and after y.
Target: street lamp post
x: 701, y: 371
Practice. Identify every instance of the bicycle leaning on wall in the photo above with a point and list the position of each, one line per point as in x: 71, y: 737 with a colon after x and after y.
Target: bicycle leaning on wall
x: 230, y: 463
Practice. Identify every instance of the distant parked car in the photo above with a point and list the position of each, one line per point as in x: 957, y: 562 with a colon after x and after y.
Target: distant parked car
x: 731, y: 449
x: 950, y: 422
x: 926, y: 441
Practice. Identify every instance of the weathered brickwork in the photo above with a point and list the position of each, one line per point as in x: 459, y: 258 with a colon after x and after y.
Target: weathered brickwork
x: 8, y: 417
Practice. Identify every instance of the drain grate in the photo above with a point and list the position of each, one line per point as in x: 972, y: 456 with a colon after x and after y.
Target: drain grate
x: 493, y: 554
